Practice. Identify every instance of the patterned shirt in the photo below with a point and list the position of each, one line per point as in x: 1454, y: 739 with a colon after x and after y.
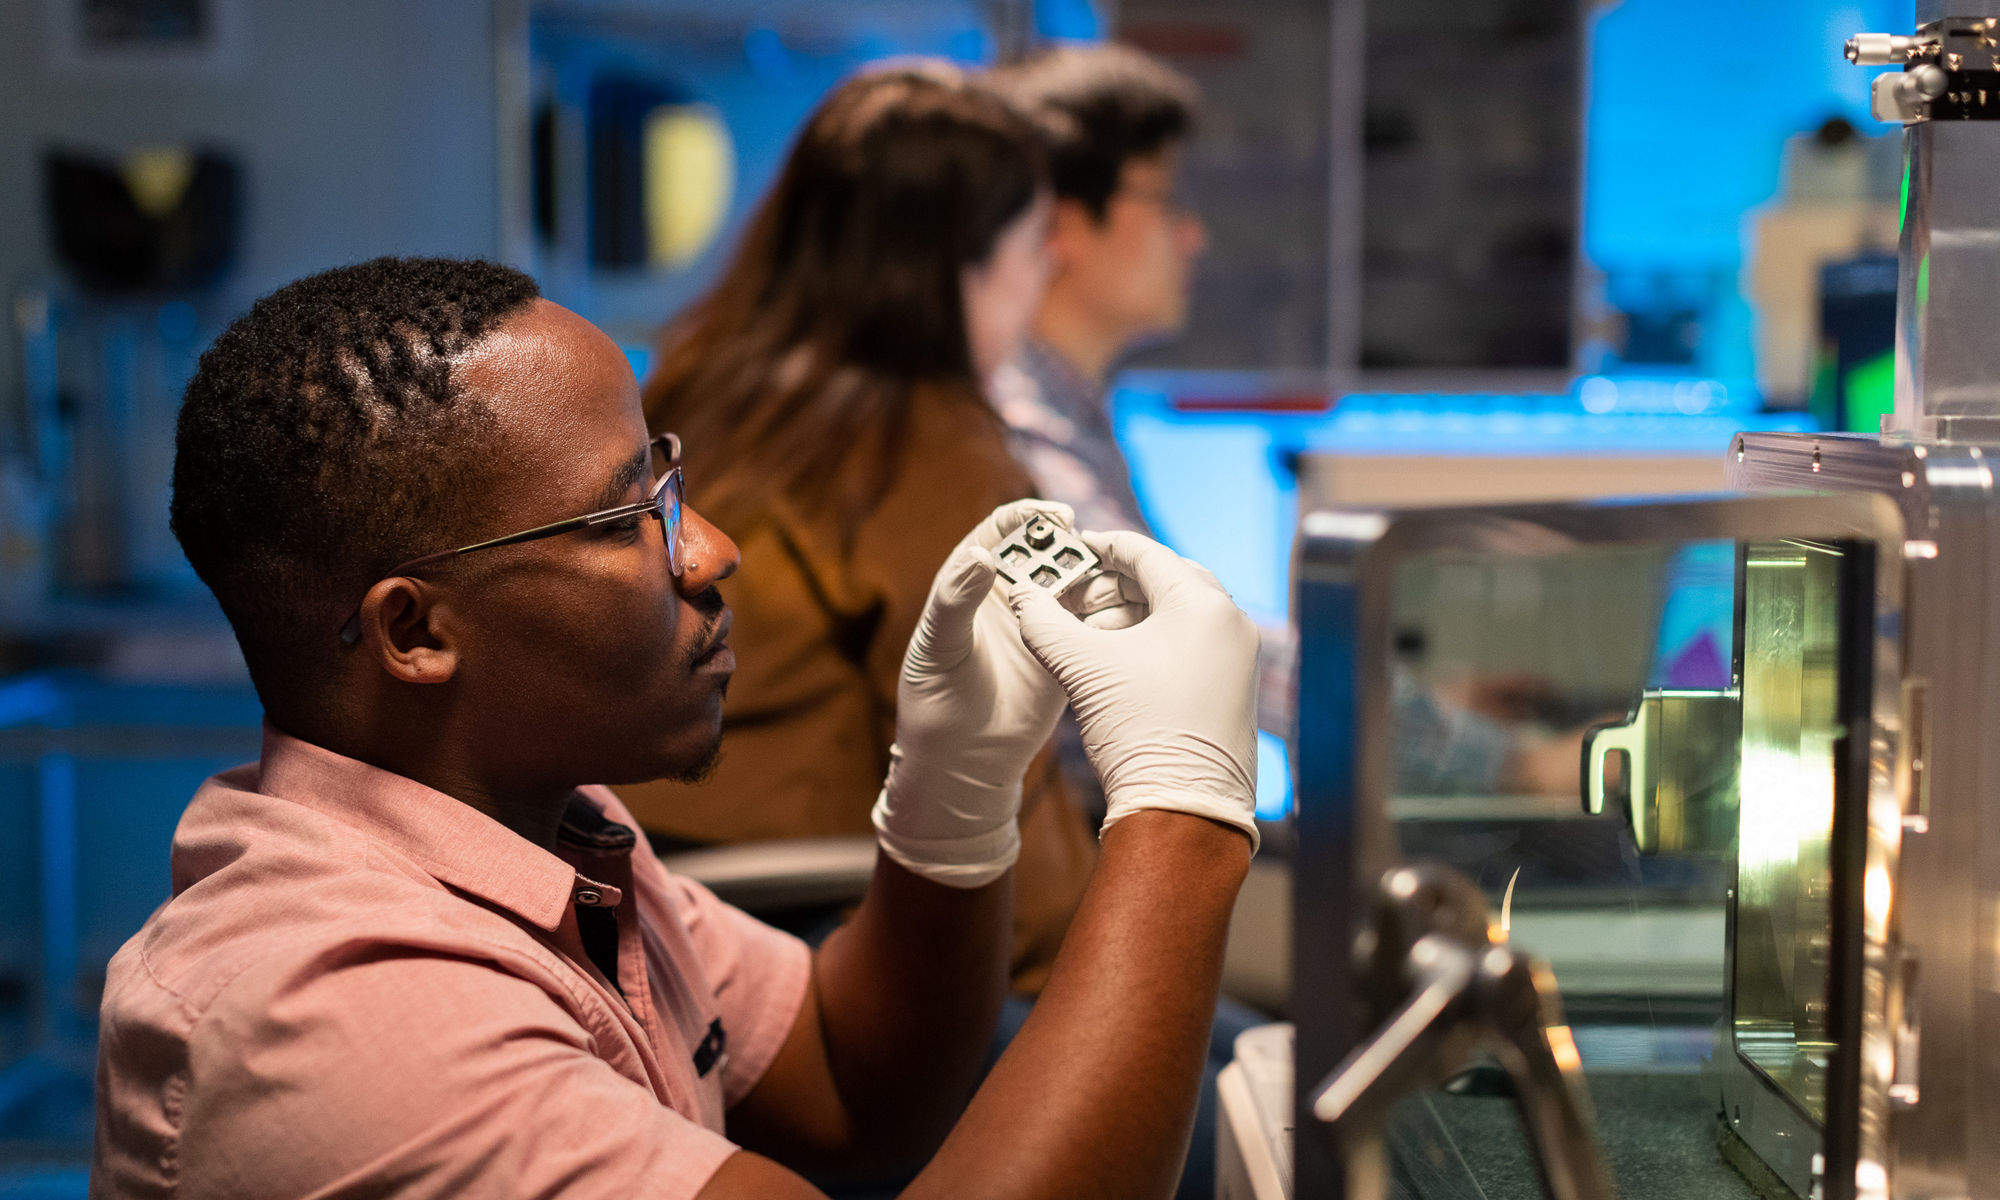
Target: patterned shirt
x: 1059, y: 428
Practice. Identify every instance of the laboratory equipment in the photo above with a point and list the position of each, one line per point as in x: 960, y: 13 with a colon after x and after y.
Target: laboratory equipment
x: 1706, y: 919
x: 1444, y: 990
x: 1772, y: 916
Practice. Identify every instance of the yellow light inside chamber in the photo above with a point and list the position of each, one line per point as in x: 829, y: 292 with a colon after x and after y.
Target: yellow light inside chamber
x: 1790, y: 800
x: 1791, y: 727
x: 690, y: 178
x: 157, y: 177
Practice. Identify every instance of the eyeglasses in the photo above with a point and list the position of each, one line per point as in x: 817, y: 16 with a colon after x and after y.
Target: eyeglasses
x: 1167, y: 199
x: 663, y: 502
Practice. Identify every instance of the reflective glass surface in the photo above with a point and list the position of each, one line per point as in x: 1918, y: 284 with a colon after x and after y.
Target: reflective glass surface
x: 1630, y: 750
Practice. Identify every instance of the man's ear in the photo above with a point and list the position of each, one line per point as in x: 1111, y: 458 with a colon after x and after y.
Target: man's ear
x: 409, y: 630
x: 1072, y: 229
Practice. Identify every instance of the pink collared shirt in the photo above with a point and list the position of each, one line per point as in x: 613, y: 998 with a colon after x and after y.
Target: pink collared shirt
x: 362, y: 987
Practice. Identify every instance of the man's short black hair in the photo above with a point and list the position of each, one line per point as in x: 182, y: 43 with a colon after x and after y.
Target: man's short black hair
x: 1098, y: 107
x: 323, y: 440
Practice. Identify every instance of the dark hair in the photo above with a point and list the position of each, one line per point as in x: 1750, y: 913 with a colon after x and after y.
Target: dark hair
x: 1097, y: 108
x: 843, y: 299
x: 323, y: 440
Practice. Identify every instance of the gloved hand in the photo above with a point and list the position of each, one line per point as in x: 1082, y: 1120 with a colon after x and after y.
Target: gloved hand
x: 1167, y: 705
x: 972, y: 709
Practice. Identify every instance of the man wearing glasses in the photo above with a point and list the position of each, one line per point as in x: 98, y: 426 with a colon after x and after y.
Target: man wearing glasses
x: 1123, y: 248
x: 417, y: 949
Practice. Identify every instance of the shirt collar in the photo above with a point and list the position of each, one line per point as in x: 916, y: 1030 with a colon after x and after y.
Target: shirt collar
x: 452, y: 841
x: 1063, y: 387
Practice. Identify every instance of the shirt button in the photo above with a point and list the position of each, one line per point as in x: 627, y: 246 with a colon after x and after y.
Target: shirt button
x: 589, y: 896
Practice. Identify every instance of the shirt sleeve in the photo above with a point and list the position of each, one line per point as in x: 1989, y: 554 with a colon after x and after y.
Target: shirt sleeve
x: 1277, y: 679
x: 401, y: 1071
x: 1099, y: 501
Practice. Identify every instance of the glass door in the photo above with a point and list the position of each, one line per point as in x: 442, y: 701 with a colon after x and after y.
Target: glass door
x: 1643, y: 733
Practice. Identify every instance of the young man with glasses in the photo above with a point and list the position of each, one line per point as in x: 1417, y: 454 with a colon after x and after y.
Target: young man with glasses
x: 1123, y: 247
x: 416, y: 948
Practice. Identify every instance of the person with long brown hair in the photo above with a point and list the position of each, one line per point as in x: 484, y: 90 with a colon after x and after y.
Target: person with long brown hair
x: 831, y: 391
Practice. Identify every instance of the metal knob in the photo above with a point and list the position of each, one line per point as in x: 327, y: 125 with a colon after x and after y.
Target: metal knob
x: 1928, y: 81
x: 1879, y: 49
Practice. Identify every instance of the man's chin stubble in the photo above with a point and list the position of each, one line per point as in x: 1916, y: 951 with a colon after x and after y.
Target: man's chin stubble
x: 700, y: 771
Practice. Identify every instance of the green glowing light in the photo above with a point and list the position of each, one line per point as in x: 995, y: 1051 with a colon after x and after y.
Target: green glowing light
x: 1870, y: 393
x: 1903, y: 206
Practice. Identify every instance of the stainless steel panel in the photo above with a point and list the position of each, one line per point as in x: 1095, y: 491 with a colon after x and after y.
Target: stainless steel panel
x: 1943, y: 911
x: 1790, y: 724
x: 1947, y: 359
x: 1347, y: 566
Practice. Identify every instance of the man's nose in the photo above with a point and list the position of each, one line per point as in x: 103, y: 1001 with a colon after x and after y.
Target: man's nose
x: 707, y: 555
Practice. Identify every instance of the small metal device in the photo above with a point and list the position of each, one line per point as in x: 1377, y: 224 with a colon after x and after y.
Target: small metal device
x: 1045, y: 553
x: 1951, y: 70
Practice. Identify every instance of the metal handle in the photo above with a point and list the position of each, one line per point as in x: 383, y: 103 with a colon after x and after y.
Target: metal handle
x: 1393, y: 1062
x: 1451, y: 992
x: 1633, y: 737
x: 1540, y: 1056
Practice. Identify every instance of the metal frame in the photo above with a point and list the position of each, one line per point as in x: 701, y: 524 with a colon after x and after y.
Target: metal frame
x: 1941, y: 768
x: 1343, y: 571
x: 1778, y: 1129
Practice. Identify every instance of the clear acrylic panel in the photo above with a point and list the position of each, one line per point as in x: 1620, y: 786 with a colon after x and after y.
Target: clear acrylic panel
x: 1631, y: 750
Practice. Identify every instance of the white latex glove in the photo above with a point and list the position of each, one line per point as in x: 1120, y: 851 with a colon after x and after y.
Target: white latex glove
x: 972, y: 709
x: 1167, y: 705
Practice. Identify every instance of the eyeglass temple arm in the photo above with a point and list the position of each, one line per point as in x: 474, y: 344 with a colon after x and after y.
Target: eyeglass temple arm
x: 542, y: 531
x: 350, y: 631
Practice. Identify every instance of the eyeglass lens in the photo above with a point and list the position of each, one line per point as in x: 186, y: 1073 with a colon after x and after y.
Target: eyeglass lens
x: 670, y: 523
x: 671, y: 494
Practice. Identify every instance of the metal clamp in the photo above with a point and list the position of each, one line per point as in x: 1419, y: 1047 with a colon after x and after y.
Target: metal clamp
x: 1443, y: 992
x: 1951, y: 71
